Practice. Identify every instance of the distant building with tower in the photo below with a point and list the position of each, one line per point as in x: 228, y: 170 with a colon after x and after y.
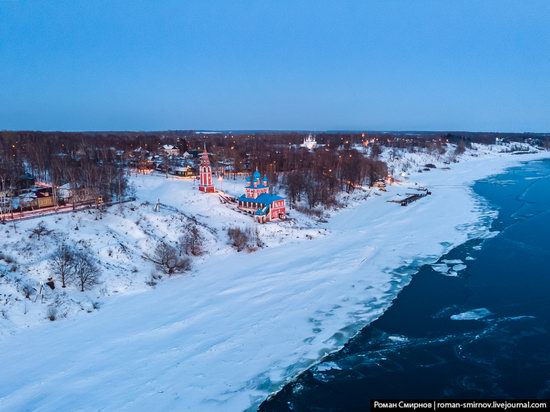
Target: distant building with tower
x: 205, y: 174
x: 310, y: 143
x: 259, y: 202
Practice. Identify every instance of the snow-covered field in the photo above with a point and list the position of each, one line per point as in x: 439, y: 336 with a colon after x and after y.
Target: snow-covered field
x: 240, y: 324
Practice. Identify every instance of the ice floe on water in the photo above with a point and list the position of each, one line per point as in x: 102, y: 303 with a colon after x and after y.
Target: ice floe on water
x: 398, y: 338
x: 452, y: 261
x: 327, y: 366
x: 440, y: 268
x: 322, y: 372
x: 501, y: 182
x: 520, y: 317
x: 474, y: 314
x: 449, y: 267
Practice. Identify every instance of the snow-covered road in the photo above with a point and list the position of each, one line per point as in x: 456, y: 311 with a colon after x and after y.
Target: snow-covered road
x: 226, y: 336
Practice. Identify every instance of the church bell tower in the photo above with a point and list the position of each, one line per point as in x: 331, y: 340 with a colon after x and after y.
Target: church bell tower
x: 205, y: 173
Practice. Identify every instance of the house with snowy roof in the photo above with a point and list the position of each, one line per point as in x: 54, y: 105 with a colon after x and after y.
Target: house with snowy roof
x: 257, y: 200
x: 170, y: 150
x: 191, y: 154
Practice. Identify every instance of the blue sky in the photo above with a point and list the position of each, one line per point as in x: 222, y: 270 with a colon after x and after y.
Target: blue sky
x: 278, y: 64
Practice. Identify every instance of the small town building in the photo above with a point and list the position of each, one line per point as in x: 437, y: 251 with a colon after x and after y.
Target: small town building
x: 35, y: 198
x: 44, y: 197
x: 259, y: 202
x: 181, y: 171
x: 5, y: 202
x: 191, y: 154
x: 205, y: 174
x: 170, y: 150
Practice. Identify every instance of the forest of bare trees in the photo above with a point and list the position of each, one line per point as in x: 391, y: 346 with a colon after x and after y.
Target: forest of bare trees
x: 89, y: 170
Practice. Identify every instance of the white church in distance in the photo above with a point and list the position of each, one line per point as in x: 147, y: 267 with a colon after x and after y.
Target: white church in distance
x: 310, y: 143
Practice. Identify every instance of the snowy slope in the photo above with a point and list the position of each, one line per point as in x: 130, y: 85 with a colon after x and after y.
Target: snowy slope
x: 121, y: 239
x: 234, y: 330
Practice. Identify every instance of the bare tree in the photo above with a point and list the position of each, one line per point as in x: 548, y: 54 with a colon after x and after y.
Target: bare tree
x: 192, y: 242
x: 460, y: 147
x: 86, y: 271
x: 375, y: 151
x: 167, y: 258
x: 62, y: 264
x: 295, y: 186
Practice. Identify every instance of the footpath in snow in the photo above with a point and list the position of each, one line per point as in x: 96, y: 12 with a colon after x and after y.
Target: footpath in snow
x: 240, y: 325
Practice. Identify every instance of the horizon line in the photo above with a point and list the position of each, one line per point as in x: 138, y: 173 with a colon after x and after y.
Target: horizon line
x: 242, y: 131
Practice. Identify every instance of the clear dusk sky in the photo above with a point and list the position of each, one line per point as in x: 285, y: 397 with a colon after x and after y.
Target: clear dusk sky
x: 275, y: 64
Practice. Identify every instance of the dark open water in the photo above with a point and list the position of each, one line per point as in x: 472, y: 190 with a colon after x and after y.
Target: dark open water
x: 484, y: 333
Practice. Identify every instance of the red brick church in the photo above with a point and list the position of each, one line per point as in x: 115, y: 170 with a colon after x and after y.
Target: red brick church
x: 258, y: 201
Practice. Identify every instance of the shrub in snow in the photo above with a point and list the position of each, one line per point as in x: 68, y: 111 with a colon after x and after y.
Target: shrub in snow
x: 242, y: 239
x: 168, y: 259
x: 152, y: 281
x: 256, y: 238
x: 39, y: 231
x: 27, y: 290
x: 309, y: 211
x: 6, y: 258
x: 238, y: 238
x: 192, y: 242
x: 51, y: 313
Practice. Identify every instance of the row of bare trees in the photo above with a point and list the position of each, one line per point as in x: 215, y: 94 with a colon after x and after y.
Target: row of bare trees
x: 325, y: 173
x: 74, y: 266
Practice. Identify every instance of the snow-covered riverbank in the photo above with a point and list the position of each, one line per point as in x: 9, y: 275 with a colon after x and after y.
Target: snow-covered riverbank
x: 242, y: 324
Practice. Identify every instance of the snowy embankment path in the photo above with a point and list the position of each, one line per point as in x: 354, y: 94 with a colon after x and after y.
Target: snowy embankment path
x: 240, y: 325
